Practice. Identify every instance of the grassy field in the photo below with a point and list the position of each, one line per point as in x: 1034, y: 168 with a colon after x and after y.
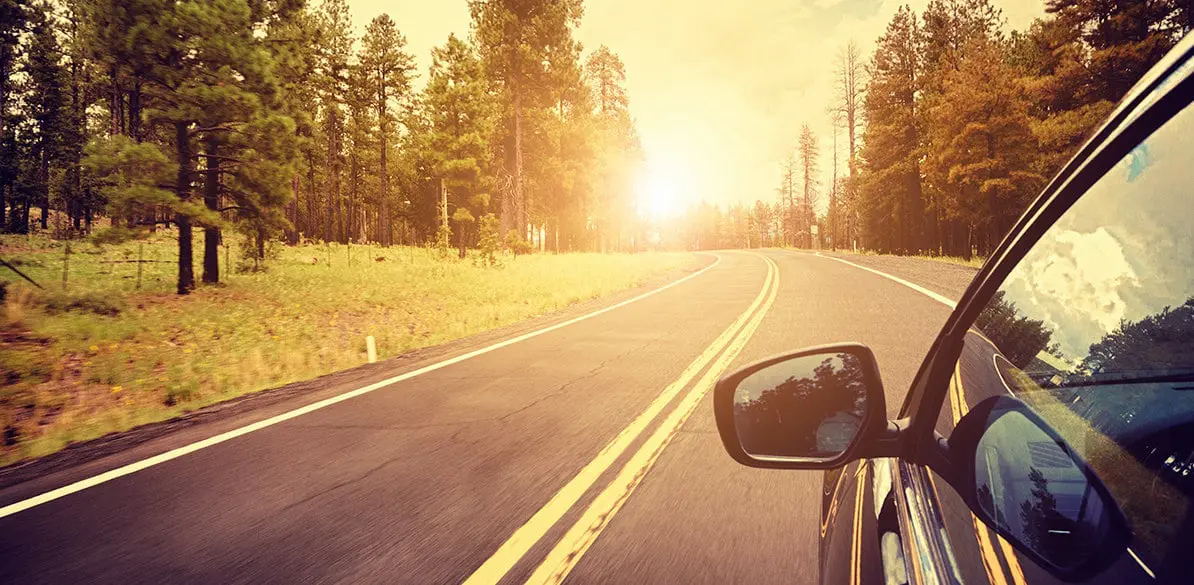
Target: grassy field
x: 100, y: 355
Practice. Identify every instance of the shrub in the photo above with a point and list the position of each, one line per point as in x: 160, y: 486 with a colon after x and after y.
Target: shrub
x: 488, y: 244
x: 84, y: 303
x: 517, y: 244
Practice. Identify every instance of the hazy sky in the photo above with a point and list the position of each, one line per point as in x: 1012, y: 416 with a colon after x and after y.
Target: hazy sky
x: 718, y: 91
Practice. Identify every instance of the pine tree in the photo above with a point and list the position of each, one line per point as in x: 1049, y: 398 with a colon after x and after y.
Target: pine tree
x: 809, y: 154
x: 950, y: 26
x: 335, y: 52
x: 388, y: 70
x: 515, y: 38
x: 617, y: 150
x: 1125, y: 39
x: 607, y: 75
x: 296, y: 64
x: 983, y: 146
x: 207, y: 76
x: 850, y: 87
x: 361, y: 150
x: 48, y: 103
x: 890, y: 183
x: 12, y: 24
x: 563, y: 165
x: 461, y: 115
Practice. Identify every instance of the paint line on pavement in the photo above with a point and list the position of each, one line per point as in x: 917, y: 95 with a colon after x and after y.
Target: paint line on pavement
x: 912, y: 285
x: 143, y: 464
x: 581, y: 536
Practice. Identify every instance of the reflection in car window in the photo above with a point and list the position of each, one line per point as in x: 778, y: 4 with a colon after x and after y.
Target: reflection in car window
x: 1094, y: 329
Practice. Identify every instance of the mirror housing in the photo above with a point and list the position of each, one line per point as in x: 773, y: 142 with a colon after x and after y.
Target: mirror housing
x: 1025, y: 482
x: 817, y: 408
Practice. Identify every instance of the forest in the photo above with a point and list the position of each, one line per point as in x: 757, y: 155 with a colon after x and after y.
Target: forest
x: 952, y: 127
x: 271, y: 120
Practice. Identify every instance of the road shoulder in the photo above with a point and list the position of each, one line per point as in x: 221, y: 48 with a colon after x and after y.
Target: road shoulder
x: 89, y: 458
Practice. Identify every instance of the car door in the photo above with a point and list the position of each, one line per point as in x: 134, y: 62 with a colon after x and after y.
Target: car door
x: 1086, y: 315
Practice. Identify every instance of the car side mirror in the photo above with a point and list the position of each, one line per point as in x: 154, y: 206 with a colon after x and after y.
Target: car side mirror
x: 806, y: 410
x: 1024, y: 481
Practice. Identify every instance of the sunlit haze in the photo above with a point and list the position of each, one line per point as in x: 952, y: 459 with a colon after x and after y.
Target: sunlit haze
x: 718, y: 91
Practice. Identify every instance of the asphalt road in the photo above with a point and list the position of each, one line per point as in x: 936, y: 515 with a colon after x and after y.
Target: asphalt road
x: 426, y: 480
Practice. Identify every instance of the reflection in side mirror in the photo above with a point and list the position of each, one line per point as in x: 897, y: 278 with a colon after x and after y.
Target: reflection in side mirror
x: 805, y: 410
x: 1024, y: 481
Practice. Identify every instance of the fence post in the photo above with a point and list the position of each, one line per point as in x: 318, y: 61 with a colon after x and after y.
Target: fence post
x: 140, y: 262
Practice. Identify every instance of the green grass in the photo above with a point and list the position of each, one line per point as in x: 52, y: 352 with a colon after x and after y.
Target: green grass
x: 102, y: 356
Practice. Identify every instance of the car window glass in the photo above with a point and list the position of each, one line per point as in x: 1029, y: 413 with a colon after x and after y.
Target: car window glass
x: 1094, y: 330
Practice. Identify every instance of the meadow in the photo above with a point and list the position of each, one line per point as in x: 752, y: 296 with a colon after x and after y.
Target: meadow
x: 92, y: 353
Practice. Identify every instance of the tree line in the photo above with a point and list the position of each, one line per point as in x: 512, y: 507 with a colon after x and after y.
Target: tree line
x: 953, y: 127
x: 271, y: 118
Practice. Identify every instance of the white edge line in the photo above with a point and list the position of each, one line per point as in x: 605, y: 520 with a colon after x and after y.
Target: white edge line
x: 1141, y: 563
x: 995, y: 364
x: 916, y: 287
x: 136, y: 466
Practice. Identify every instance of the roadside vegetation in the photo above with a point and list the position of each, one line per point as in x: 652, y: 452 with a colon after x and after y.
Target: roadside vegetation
x: 100, y: 355
x: 972, y: 262
x: 229, y: 157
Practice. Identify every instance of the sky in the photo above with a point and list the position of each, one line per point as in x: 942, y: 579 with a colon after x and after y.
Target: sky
x: 718, y: 92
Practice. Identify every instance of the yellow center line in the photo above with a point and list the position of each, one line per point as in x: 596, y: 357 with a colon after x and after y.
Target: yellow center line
x: 526, y: 536
x: 581, y: 536
x: 856, y: 541
x: 985, y: 536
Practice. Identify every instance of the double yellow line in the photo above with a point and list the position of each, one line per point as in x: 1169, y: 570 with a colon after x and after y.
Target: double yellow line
x: 568, y: 551
x: 987, y: 539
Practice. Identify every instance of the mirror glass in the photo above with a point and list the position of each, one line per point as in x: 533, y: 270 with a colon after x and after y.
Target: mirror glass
x: 810, y: 407
x: 1028, y: 484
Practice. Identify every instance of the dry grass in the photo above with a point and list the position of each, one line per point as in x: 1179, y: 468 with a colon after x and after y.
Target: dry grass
x: 974, y: 262
x: 102, y: 356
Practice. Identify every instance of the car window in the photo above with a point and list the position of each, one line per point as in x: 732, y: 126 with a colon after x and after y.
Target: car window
x: 1094, y: 330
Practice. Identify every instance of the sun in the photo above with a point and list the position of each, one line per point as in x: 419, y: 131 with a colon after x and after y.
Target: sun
x: 659, y: 193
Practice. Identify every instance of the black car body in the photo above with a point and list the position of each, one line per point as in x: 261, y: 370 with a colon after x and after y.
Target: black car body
x: 1049, y: 434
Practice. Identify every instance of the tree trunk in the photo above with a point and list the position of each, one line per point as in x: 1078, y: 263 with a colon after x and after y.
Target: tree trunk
x: 387, y: 233
x: 43, y: 180
x: 520, y: 197
x: 334, y: 216
x: 211, y: 199
x: 186, y: 269
x: 113, y: 75
x: 135, y: 111
x: 310, y: 223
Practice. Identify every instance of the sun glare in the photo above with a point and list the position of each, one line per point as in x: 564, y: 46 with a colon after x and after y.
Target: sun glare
x: 659, y: 193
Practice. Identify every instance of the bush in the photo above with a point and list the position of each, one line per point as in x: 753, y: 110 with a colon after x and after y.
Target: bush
x: 488, y: 244
x: 517, y: 244
x: 84, y: 303
x: 443, y: 240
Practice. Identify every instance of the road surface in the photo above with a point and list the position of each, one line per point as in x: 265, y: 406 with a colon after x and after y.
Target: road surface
x: 534, y: 459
